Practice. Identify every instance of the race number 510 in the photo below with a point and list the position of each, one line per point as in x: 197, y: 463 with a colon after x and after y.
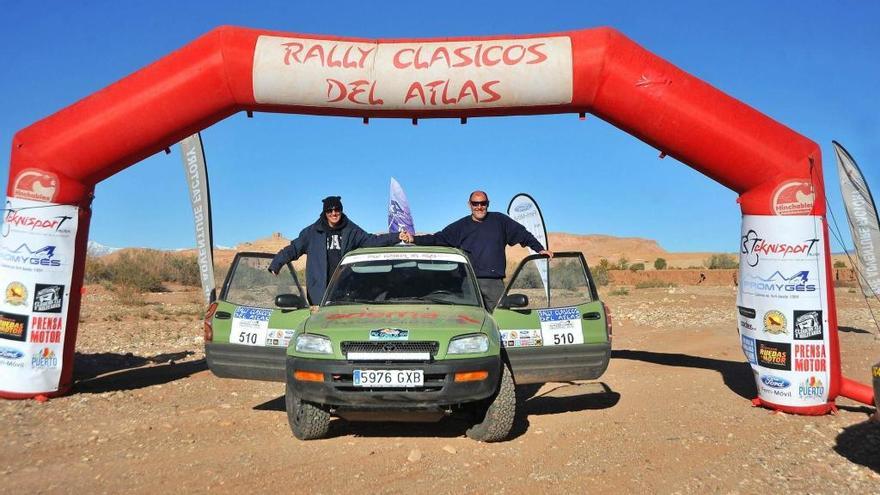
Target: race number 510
x: 563, y: 336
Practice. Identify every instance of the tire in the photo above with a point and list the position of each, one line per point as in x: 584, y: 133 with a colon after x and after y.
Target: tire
x: 307, y: 421
x: 496, y: 423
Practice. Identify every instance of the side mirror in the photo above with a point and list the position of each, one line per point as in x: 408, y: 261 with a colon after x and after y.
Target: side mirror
x: 514, y: 301
x: 289, y: 301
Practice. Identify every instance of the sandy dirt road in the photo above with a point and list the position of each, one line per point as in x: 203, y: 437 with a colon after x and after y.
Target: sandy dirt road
x: 671, y: 414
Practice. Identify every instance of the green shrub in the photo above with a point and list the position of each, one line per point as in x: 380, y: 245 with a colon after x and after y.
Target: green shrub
x: 619, y: 291
x: 721, y: 261
x: 653, y: 283
x: 601, y: 277
x: 635, y: 267
x: 660, y: 264
x: 142, y: 270
x: 839, y: 264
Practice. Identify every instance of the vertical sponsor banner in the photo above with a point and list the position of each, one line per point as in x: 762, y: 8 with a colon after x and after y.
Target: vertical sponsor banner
x: 196, y: 171
x: 524, y: 209
x: 783, y: 309
x: 863, y: 223
x: 36, y: 266
x: 399, y: 215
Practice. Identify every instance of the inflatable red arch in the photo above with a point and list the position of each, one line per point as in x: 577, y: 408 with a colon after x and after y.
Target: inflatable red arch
x: 790, y: 341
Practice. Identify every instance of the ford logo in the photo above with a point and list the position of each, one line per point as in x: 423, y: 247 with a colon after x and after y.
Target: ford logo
x: 9, y: 353
x: 775, y: 381
x: 523, y: 207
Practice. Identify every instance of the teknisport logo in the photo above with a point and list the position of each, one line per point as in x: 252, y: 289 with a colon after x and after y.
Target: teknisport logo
x: 755, y: 248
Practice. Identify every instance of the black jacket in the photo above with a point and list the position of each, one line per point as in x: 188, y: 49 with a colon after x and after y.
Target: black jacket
x: 312, y: 241
x: 484, y: 241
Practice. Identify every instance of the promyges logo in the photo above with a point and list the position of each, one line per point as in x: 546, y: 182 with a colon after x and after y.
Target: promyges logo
x: 27, y: 256
x: 754, y: 247
x: 780, y: 283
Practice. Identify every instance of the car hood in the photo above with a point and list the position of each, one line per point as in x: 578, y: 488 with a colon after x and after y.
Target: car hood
x: 357, y: 322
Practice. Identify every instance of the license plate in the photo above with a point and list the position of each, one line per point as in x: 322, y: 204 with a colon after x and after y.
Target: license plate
x: 389, y: 378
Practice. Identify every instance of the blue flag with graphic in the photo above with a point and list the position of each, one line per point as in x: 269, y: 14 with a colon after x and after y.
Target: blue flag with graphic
x: 399, y: 216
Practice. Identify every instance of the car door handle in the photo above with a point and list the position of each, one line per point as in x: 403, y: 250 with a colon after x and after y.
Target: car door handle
x: 592, y: 315
x: 223, y: 315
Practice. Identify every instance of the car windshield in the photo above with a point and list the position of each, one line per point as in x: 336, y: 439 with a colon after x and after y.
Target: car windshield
x: 403, y: 278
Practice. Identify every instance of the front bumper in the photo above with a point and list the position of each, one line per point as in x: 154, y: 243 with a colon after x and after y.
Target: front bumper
x: 439, y: 391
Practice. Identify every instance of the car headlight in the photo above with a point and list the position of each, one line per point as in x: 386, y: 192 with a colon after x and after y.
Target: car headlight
x: 316, y: 344
x: 469, y: 344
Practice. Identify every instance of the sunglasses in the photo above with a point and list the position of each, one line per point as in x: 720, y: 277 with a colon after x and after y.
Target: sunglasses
x: 332, y: 210
x: 479, y: 203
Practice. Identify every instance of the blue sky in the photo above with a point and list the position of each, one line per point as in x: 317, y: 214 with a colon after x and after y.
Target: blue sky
x: 808, y: 64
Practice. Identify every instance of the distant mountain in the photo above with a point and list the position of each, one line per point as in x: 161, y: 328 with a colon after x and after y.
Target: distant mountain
x: 97, y: 249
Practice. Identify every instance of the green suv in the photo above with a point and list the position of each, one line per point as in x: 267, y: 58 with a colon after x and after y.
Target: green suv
x: 402, y: 334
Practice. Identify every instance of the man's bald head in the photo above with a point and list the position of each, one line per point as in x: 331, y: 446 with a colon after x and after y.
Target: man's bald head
x: 478, y: 202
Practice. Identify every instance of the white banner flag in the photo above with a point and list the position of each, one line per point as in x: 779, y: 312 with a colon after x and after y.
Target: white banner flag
x: 196, y: 171
x: 524, y: 209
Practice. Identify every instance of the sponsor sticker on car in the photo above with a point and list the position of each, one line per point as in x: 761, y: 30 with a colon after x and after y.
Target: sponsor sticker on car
x: 561, y: 326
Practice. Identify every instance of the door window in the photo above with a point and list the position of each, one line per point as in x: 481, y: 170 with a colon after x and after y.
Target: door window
x: 568, y: 279
x: 251, y: 284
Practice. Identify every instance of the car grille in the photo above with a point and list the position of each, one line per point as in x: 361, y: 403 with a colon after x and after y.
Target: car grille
x: 390, y: 347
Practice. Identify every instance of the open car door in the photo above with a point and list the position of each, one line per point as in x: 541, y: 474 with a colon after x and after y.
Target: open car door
x: 560, y: 331
x: 254, y: 319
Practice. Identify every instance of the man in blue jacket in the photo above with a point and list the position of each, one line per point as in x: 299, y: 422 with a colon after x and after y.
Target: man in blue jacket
x: 326, y: 241
x: 483, y: 236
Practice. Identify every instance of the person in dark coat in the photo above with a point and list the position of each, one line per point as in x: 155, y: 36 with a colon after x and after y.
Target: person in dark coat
x: 325, y: 242
x: 483, y: 235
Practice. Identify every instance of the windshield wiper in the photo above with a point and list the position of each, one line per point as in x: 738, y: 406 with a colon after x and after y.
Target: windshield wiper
x: 354, y: 301
x: 433, y: 299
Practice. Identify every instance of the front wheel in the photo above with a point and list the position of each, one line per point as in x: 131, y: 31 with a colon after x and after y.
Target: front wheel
x: 307, y: 421
x: 499, y: 412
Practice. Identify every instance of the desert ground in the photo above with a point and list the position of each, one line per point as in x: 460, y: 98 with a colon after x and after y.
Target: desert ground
x: 671, y: 415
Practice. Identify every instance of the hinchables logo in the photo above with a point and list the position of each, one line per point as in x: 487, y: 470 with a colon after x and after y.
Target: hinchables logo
x: 755, y: 247
x: 35, y: 184
x: 795, y: 197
